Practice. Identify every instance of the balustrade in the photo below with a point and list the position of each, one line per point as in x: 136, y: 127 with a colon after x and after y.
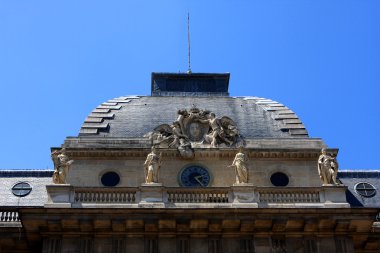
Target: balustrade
x: 105, y: 195
x: 289, y: 195
x: 9, y: 216
x: 197, y: 195
x: 194, y: 195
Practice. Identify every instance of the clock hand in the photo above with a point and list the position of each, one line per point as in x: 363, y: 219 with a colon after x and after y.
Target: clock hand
x: 199, y: 181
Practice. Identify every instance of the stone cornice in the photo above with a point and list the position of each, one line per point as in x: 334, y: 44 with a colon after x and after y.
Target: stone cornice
x: 144, y: 142
x: 119, y: 148
x: 124, y: 153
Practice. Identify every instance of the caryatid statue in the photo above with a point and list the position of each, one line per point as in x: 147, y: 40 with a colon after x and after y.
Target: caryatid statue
x: 152, y: 166
x: 327, y: 168
x: 241, y: 170
x: 62, y: 165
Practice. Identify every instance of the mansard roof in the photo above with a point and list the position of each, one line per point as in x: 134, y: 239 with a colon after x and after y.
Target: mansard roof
x: 134, y: 116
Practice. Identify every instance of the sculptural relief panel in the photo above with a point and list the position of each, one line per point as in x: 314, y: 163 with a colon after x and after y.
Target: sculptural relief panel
x: 196, y: 127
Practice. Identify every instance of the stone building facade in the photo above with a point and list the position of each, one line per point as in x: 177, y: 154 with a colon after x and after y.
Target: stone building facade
x: 190, y: 169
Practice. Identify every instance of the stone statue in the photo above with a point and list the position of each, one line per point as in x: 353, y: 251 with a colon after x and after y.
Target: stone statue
x: 216, y: 131
x: 241, y: 170
x: 62, y: 165
x: 152, y: 166
x: 182, y: 114
x: 327, y: 168
x: 185, y: 149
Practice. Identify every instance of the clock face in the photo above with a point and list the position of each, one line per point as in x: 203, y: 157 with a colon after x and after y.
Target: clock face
x: 194, y: 176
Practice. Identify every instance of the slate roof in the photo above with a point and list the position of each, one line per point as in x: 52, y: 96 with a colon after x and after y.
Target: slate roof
x: 37, y: 179
x: 351, y: 178
x: 134, y: 116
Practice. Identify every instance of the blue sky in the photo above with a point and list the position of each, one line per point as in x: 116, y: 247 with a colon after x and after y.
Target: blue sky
x: 60, y: 59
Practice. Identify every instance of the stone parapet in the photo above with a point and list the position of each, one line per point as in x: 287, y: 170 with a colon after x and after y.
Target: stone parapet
x: 158, y: 196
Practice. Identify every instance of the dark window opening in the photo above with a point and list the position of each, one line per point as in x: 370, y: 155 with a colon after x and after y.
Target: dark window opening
x: 183, y: 245
x: 110, y: 179
x: 246, y: 245
x: 214, y: 245
x: 279, y: 179
x: 151, y: 245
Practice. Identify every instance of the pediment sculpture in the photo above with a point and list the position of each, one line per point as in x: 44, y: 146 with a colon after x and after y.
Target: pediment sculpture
x: 196, y: 126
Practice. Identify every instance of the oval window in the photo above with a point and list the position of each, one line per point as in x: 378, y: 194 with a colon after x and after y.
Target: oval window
x: 279, y: 179
x: 21, y: 189
x: 365, y: 189
x: 110, y: 179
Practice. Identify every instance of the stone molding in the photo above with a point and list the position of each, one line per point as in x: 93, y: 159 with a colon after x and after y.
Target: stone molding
x: 118, y: 153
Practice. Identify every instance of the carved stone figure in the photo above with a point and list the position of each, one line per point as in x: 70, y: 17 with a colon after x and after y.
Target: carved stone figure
x: 185, y: 149
x: 240, y: 166
x: 327, y: 168
x: 62, y: 165
x: 196, y: 126
x: 216, y: 131
x: 182, y: 114
x: 152, y: 166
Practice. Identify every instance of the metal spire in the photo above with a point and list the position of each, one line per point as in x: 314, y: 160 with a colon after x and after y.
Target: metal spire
x: 188, y: 42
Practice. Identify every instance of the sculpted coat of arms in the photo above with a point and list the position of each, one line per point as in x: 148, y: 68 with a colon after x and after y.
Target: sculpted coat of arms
x: 196, y: 126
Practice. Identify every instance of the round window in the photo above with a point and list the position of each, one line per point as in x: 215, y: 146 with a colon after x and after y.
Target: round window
x: 21, y: 189
x: 279, y: 179
x: 365, y: 189
x: 110, y: 179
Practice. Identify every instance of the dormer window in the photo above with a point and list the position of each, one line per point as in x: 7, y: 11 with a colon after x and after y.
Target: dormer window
x: 365, y: 189
x: 21, y: 189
